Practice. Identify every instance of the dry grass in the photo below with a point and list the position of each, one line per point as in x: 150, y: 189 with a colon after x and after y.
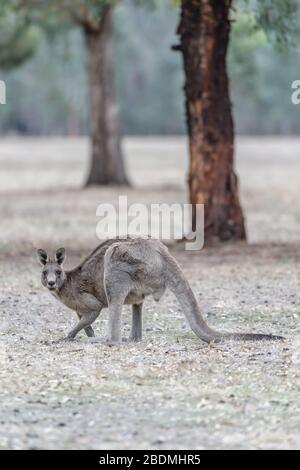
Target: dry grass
x: 170, y: 391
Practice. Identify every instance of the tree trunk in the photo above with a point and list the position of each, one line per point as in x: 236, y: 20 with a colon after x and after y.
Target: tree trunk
x: 204, y: 32
x: 107, y: 166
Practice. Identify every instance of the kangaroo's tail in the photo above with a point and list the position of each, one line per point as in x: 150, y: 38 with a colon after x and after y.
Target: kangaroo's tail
x: 179, y: 285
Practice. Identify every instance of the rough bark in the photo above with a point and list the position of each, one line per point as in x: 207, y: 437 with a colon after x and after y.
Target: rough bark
x: 107, y: 165
x: 204, y: 31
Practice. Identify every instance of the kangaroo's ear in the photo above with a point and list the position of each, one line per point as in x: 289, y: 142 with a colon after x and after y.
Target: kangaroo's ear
x: 42, y: 257
x: 60, y: 255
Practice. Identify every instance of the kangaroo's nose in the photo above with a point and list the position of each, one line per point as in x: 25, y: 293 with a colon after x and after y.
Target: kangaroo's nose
x: 51, y: 283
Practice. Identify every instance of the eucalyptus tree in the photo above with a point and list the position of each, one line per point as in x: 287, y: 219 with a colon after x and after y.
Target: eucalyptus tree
x: 204, y: 32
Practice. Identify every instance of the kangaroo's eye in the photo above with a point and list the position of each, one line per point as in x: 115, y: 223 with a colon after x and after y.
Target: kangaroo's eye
x: 58, y: 273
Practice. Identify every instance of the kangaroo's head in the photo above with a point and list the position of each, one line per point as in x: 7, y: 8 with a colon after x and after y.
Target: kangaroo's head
x: 53, y: 274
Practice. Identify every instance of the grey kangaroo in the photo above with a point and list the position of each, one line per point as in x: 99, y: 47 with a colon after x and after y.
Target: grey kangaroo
x: 121, y: 272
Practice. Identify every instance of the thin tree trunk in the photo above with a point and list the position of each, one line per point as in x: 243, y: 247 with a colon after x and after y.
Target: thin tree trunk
x: 107, y: 166
x: 204, y: 35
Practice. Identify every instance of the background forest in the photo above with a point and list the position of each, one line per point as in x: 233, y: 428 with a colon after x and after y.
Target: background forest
x: 149, y: 79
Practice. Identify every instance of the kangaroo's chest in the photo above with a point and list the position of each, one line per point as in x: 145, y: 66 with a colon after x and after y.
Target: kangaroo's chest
x: 68, y: 301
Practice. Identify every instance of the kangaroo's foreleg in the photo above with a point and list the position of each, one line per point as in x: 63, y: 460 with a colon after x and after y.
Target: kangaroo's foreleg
x: 137, y: 323
x: 88, y: 329
x: 84, y: 323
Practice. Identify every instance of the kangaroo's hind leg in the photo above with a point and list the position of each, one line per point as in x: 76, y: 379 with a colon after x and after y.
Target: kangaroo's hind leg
x: 137, y: 323
x: 115, y: 294
x: 115, y: 322
x: 119, y: 274
x: 116, y: 288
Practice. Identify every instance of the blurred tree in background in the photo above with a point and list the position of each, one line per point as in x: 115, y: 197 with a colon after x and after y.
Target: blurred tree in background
x: 149, y: 74
x: 262, y: 64
x: 18, y: 40
x: 148, y: 77
x: 145, y: 68
x: 53, y: 81
x: 95, y: 21
x: 93, y: 18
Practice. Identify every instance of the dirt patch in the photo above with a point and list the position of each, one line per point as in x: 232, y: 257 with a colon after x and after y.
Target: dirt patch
x: 170, y: 391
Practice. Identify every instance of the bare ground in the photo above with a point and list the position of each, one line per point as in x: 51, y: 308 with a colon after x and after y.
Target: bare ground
x: 171, y: 391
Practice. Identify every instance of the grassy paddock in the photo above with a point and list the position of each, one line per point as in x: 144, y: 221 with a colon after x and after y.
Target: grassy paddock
x: 171, y: 390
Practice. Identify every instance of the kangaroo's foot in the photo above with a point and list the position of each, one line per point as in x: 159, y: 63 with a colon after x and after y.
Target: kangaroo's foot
x: 112, y: 342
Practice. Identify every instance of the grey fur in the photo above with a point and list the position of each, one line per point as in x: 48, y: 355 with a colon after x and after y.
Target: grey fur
x: 121, y: 272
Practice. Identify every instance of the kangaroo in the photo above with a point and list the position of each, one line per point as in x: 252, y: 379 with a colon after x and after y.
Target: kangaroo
x: 125, y: 271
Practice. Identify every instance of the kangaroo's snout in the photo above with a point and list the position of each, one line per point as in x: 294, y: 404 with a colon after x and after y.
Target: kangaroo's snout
x: 53, y: 278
